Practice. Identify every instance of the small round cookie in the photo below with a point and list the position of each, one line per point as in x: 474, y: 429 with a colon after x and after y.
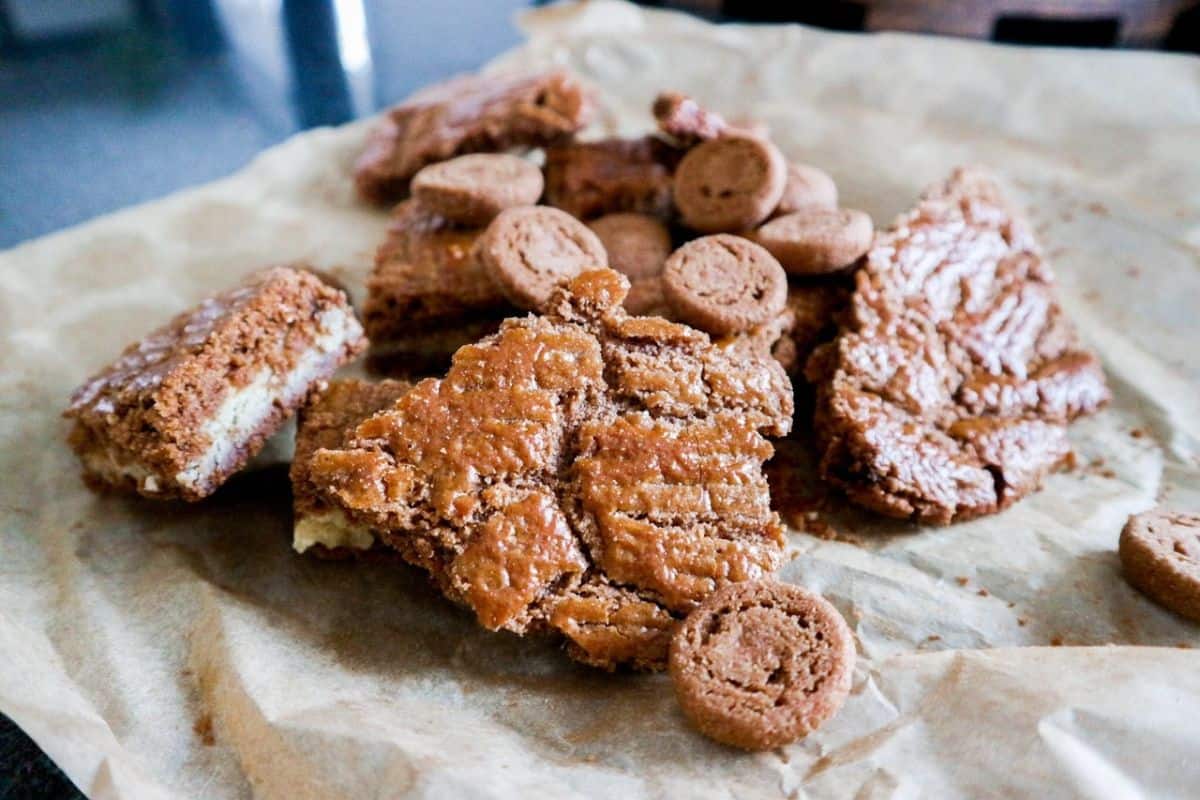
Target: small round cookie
x: 529, y: 250
x: 1160, y: 554
x: 760, y: 664
x: 806, y: 188
x: 473, y: 189
x: 724, y: 284
x: 637, y: 244
x: 731, y: 183
x: 816, y: 241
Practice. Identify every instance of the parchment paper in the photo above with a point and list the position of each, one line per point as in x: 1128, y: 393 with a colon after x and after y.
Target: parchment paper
x: 185, y: 651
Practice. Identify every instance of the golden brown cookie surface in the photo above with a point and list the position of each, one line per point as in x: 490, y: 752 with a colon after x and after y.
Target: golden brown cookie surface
x: 685, y: 120
x: 583, y: 471
x: 330, y: 413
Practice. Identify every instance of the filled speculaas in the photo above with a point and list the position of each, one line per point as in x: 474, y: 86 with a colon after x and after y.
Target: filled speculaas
x: 188, y: 405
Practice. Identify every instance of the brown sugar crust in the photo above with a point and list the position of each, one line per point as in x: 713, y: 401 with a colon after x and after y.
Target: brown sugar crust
x: 585, y: 472
x: 468, y: 114
x: 426, y: 277
x: 472, y: 189
x: 807, y: 187
x: 529, y: 251
x: 729, y: 184
x: 589, y: 179
x: 147, y: 410
x: 1160, y: 555
x: 325, y: 420
x: 685, y: 120
x: 816, y: 241
x: 947, y: 393
x: 758, y: 665
x: 724, y: 284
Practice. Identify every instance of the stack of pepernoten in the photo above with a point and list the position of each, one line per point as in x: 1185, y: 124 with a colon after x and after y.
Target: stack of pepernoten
x: 613, y: 363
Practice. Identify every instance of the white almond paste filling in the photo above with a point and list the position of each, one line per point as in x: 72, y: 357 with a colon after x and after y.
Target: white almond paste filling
x: 331, y: 529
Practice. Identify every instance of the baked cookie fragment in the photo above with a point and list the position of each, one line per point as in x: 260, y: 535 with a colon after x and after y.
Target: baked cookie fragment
x: 947, y: 392
x: 584, y: 471
x: 809, y: 320
x: 468, y: 114
x: 326, y: 420
x: 428, y: 294
x: 686, y: 121
x: 187, y: 406
x: 590, y: 179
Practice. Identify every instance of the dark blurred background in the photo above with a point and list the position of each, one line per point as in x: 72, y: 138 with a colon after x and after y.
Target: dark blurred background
x: 105, y: 103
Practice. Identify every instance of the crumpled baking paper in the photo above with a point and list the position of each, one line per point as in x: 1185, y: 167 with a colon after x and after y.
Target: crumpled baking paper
x: 184, y: 651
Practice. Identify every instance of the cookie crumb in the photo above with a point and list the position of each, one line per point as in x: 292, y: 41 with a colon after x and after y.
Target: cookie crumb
x: 203, y: 729
x: 1099, y: 209
x: 820, y: 529
x: 983, y: 593
x: 1056, y: 641
x: 1137, y: 433
x: 1021, y: 621
x: 961, y: 581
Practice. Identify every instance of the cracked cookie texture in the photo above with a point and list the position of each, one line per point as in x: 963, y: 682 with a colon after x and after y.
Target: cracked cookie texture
x: 582, y: 472
x: 947, y: 392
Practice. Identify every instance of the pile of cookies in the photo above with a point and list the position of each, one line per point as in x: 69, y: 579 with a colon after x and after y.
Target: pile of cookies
x: 468, y: 247
x: 614, y: 337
